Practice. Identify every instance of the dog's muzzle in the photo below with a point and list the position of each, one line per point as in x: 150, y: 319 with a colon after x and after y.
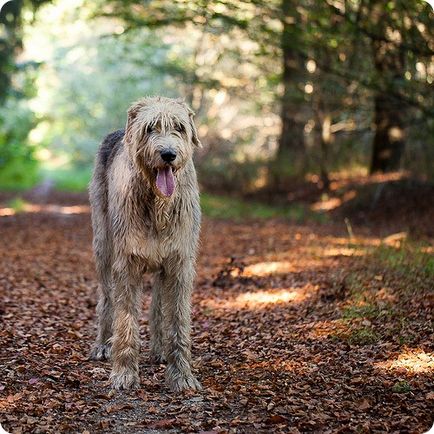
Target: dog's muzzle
x: 168, y: 155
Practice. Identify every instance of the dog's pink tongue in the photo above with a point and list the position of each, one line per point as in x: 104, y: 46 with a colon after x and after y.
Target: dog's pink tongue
x: 165, y: 181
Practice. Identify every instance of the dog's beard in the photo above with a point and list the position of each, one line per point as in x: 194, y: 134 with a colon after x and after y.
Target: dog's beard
x: 165, y: 181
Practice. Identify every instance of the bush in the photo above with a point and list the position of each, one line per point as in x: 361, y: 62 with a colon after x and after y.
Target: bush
x: 18, y: 166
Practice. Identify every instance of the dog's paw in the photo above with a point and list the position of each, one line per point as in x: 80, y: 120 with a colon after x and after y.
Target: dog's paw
x: 124, y: 379
x: 183, y: 382
x: 101, y: 352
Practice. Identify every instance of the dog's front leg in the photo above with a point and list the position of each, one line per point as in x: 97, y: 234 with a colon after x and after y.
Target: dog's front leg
x: 126, y: 338
x: 156, y: 326
x: 178, y: 284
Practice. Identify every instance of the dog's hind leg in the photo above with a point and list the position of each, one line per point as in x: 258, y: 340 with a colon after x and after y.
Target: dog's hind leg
x: 102, y: 347
x: 178, y: 285
x: 157, y: 353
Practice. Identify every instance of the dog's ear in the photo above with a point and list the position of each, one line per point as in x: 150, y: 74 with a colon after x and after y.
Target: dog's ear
x: 131, y: 117
x: 194, y: 137
x: 132, y: 113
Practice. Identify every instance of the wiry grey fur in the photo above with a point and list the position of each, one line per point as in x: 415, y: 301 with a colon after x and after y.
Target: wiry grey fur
x: 136, y: 229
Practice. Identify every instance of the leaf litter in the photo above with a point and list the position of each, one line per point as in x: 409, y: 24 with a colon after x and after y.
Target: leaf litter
x: 293, y: 331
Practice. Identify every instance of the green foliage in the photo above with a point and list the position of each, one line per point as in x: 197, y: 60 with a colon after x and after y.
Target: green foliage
x: 10, y: 40
x: 226, y: 60
x: 363, y: 336
x: 17, y: 204
x: 360, y: 311
x: 68, y: 178
x: 410, y: 259
x: 401, y: 386
x: 88, y: 87
x: 18, y: 166
x: 225, y: 207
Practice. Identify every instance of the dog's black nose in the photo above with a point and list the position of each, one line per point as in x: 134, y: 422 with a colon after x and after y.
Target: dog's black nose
x: 167, y: 155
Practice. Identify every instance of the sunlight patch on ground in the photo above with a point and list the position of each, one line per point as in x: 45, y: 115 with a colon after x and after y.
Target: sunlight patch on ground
x: 395, y: 240
x: 52, y: 209
x: 327, y: 205
x: 266, y: 268
x: 331, y: 203
x: 275, y: 266
x: 266, y: 297
x: 345, y: 241
x: 259, y: 299
x: 416, y: 361
x: 347, y: 249
x: 343, y: 251
x: 4, y: 212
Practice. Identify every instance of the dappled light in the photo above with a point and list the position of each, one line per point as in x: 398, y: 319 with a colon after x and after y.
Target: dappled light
x: 395, y: 240
x: 267, y: 297
x: 343, y: 251
x: 286, y: 266
x: 280, y: 310
x: 293, y: 142
x: 367, y: 241
x: 327, y: 204
x: 354, y: 248
x: 260, y: 299
x: 52, y: 209
x: 345, y: 179
x: 267, y: 268
x: 410, y: 361
x: 330, y: 203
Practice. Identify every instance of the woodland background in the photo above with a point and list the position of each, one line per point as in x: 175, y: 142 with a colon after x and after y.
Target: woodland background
x: 283, y: 91
x: 313, y: 306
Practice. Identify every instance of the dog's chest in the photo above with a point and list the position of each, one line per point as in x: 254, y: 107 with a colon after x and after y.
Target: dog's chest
x: 152, y: 236
x: 152, y: 251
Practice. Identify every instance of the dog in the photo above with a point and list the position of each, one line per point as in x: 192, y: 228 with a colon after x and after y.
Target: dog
x: 146, y: 218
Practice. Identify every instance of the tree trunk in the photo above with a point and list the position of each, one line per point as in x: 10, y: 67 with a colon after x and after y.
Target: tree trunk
x: 10, y: 22
x: 290, y: 149
x: 388, y: 145
x: 389, y: 119
x: 326, y: 139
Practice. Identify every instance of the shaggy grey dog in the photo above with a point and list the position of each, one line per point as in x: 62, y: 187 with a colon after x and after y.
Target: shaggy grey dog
x: 146, y: 217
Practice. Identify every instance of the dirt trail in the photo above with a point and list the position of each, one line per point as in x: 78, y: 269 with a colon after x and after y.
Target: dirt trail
x: 296, y: 329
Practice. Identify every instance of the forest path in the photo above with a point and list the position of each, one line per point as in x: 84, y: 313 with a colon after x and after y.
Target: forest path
x: 296, y: 329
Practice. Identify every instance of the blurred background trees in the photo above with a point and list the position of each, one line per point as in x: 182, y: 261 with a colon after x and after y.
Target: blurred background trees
x: 284, y: 91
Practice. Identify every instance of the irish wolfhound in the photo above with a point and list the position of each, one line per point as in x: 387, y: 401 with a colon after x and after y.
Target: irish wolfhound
x: 146, y: 217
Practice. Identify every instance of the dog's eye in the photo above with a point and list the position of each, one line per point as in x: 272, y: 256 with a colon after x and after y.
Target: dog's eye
x: 180, y: 128
x: 149, y: 129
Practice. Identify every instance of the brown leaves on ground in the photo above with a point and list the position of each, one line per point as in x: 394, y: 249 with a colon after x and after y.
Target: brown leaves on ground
x: 296, y: 329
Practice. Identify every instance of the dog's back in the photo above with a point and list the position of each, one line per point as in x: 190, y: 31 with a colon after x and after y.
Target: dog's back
x: 110, y: 147
x: 98, y: 187
x: 107, y: 151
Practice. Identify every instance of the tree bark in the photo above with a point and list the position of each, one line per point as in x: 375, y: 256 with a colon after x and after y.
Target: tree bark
x: 389, y: 118
x: 389, y: 139
x: 290, y: 149
x: 10, y: 22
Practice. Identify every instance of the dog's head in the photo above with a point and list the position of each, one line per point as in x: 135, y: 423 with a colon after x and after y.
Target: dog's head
x: 160, y: 136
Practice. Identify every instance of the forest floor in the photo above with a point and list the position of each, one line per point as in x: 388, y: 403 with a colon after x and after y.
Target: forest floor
x: 315, y: 326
